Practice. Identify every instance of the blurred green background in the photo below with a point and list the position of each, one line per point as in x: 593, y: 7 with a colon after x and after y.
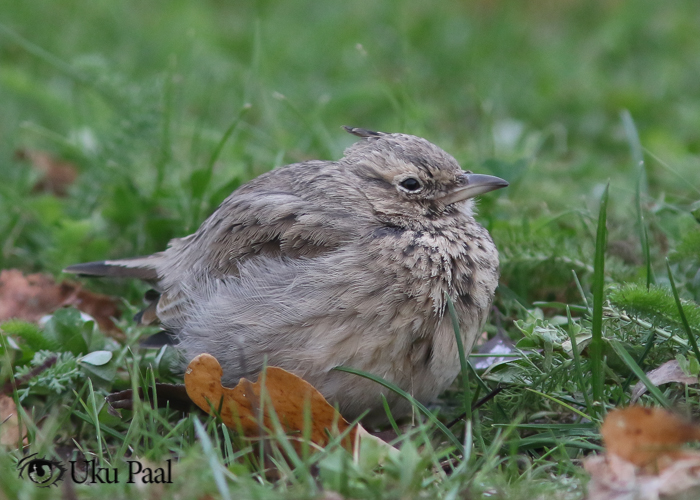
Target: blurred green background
x: 165, y: 107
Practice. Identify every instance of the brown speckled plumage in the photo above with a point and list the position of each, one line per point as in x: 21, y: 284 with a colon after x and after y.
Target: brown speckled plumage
x: 327, y: 263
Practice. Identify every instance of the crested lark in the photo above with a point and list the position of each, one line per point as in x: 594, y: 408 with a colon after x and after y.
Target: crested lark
x: 327, y: 263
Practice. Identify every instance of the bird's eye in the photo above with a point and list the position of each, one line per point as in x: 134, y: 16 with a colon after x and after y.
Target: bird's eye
x: 411, y: 184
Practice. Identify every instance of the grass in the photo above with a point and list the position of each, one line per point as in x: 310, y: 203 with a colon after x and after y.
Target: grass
x: 166, y: 107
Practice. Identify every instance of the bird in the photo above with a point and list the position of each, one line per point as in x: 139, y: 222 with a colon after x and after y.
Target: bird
x: 323, y: 264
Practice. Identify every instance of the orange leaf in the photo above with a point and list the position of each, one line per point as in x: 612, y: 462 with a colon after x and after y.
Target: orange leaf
x: 647, y: 436
x: 287, y: 393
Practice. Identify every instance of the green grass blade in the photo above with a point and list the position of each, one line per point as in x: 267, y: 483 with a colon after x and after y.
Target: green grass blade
x: 200, y: 179
x: 560, y: 402
x: 580, y: 379
x: 479, y: 381
x: 632, y: 365
x: 453, y: 439
x: 647, y: 349
x: 213, y: 460
x: 684, y: 319
x: 105, y: 429
x: 94, y: 414
x: 586, y: 305
x: 390, y: 416
x: 468, y: 440
x: 651, y: 280
x: 464, y: 367
x: 44, y: 55
x: 165, y: 153
x: 633, y: 142
x: 641, y: 187
x: 596, y: 347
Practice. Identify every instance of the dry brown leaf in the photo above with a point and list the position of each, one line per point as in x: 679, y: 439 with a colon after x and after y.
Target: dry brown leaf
x: 31, y: 297
x: 57, y: 175
x: 9, y: 423
x: 613, y: 478
x: 287, y: 393
x: 644, y: 459
x: 668, y: 372
x: 647, y: 437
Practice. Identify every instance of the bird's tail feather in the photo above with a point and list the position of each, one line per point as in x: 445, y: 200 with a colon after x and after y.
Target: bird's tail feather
x: 143, y: 268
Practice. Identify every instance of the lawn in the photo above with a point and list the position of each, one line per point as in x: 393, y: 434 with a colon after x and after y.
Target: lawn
x: 161, y: 109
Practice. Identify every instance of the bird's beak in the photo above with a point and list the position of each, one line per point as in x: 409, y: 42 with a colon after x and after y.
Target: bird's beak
x: 472, y: 185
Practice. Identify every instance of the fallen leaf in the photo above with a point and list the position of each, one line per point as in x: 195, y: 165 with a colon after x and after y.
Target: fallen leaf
x: 9, y: 424
x: 499, y: 344
x: 31, y: 297
x: 610, y: 475
x: 668, y: 372
x: 613, y: 478
x: 644, y: 459
x: 647, y: 437
x: 57, y: 175
x: 287, y: 393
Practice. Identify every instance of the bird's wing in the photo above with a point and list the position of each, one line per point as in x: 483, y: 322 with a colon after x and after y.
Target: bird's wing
x: 280, y: 214
x: 289, y: 212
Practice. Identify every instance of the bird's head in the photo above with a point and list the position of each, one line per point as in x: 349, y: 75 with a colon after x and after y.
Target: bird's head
x: 404, y: 176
